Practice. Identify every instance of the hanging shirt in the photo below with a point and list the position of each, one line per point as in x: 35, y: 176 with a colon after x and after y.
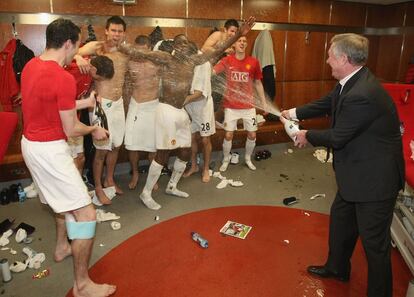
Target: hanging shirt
x: 263, y: 51
x: 9, y: 88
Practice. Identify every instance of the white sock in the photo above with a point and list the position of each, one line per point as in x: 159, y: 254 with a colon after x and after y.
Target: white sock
x: 250, y: 145
x: 226, y: 149
x: 250, y: 165
x: 154, y: 173
x: 179, y: 167
x: 148, y: 201
x: 174, y: 191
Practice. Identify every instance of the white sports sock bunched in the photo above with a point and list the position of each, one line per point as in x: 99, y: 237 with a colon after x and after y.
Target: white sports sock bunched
x: 179, y: 167
x: 226, y: 149
x: 154, y: 173
x: 250, y: 145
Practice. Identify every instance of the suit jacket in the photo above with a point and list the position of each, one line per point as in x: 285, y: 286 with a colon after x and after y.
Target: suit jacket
x: 365, y: 138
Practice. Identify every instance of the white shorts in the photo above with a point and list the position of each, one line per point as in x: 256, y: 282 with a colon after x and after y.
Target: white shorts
x: 231, y: 116
x: 75, y: 145
x: 140, y: 126
x: 54, y: 172
x: 202, y: 117
x: 115, y: 114
x: 172, y: 128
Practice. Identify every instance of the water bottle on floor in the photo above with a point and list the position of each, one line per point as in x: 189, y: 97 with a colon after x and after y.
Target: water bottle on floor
x: 201, y: 241
x: 21, y: 193
x: 5, y: 270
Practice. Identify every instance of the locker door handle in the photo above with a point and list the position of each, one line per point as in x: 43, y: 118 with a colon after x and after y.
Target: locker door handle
x: 407, y: 96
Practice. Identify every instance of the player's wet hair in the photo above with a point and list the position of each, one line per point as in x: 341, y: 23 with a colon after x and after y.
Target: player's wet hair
x: 104, y: 66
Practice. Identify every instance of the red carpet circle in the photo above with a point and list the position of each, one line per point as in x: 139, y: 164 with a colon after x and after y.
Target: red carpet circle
x: 163, y: 260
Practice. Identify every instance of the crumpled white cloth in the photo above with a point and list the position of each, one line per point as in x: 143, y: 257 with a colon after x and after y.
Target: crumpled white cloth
x: 4, y: 239
x: 260, y: 119
x: 18, y: 266
x: 235, y: 183
x: 115, y: 225
x: 31, y: 191
x: 21, y: 235
x: 103, y: 216
x: 224, y: 181
x: 34, y: 259
x: 234, y: 158
x: 320, y: 154
x: 222, y: 184
x: 317, y: 196
x: 110, y: 192
x: 218, y: 175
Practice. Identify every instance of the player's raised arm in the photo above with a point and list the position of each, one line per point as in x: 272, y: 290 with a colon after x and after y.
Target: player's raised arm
x: 243, y: 30
x: 134, y: 53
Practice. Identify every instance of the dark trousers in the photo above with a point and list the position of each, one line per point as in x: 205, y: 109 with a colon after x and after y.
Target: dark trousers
x: 371, y: 221
x: 88, y: 147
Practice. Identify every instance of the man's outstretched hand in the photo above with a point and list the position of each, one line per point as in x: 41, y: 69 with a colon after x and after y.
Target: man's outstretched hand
x: 247, y: 25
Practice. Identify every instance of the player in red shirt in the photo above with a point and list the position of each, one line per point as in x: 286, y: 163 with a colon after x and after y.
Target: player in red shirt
x: 243, y: 77
x: 49, y: 116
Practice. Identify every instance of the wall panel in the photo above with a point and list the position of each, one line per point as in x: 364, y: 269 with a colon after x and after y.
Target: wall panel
x: 198, y: 35
x: 348, y: 14
x: 385, y: 16
x: 409, y: 21
x: 33, y: 36
x: 214, y: 9
x: 407, y: 56
x: 297, y: 93
x: 279, y: 96
x: 374, y: 42
x: 157, y: 8
x: 304, y: 61
x: 310, y: 11
x: 327, y: 73
x: 327, y: 86
x: 388, y: 57
x: 25, y: 6
x: 96, y: 7
x: 267, y: 11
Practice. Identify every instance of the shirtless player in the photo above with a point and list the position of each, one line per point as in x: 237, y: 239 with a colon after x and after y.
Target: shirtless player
x: 140, y: 121
x: 172, y: 122
x: 112, y: 103
x: 217, y: 38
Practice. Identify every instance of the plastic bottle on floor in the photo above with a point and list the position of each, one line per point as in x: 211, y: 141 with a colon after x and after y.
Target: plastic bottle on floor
x: 21, y: 193
x: 5, y: 270
x: 201, y: 241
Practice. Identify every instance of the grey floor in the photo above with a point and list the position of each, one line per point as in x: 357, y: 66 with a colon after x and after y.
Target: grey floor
x: 285, y: 174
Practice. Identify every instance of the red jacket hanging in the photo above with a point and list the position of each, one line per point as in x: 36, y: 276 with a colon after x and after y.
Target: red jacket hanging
x: 9, y: 87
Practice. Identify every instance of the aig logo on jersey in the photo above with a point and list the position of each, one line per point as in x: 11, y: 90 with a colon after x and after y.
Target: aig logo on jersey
x: 240, y: 76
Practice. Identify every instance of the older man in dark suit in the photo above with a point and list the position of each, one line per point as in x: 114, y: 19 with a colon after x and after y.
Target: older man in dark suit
x: 368, y: 163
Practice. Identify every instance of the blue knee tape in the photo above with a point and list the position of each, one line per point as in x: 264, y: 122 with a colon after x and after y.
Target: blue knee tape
x: 81, y: 230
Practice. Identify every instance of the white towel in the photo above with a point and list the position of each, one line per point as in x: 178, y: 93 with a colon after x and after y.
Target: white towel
x: 263, y: 49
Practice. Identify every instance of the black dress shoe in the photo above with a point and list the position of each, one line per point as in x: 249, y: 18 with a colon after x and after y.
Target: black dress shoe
x: 322, y: 271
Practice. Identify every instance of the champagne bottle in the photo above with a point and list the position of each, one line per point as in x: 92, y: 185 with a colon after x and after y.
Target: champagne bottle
x: 101, y: 116
x: 291, y: 128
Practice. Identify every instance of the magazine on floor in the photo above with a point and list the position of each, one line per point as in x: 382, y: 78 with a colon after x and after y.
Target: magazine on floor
x: 236, y: 229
